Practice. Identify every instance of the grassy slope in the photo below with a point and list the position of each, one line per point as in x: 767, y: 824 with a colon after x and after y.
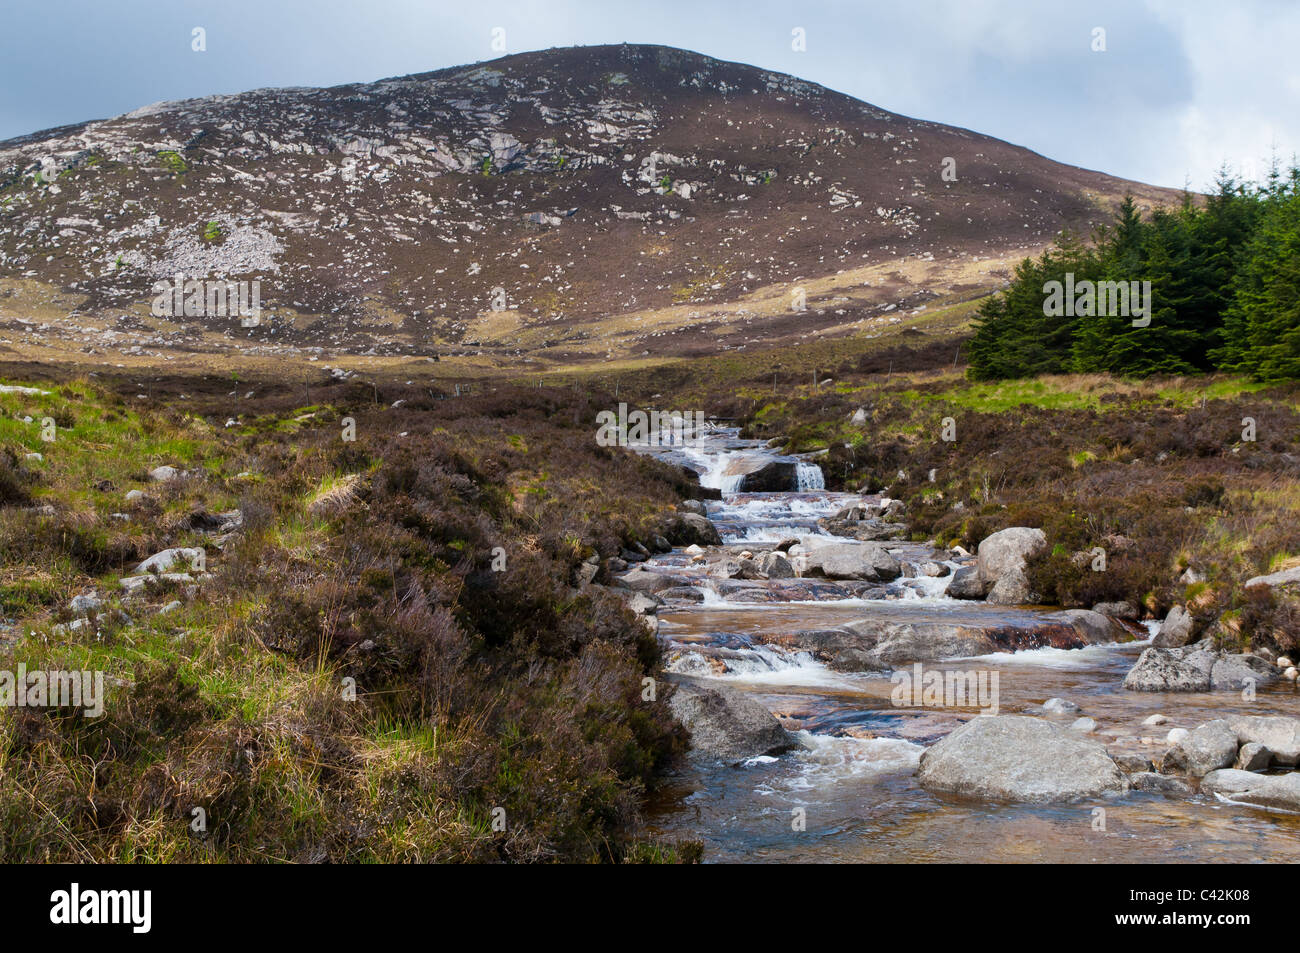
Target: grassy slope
x: 366, y: 561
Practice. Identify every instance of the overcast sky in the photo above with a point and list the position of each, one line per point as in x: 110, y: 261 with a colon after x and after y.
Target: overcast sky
x: 1182, y: 86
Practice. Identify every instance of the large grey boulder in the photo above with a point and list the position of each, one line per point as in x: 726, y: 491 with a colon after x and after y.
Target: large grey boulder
x: 870, y: 561
x: 1001, y: 561
x: 1014, y: 758
x: 727, y: 724
x: 1277, y: 733
x: 1175, y: 631
x: 1234, y: 672
x: 1197, y: 668
x: 1207, y: 748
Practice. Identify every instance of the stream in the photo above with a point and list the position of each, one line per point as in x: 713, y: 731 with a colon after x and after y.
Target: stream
x: 852, y: 780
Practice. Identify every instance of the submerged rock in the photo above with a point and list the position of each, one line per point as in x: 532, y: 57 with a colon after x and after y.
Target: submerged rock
x: 1015, y: 758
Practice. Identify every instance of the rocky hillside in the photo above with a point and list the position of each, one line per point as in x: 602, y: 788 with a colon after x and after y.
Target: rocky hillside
x: 556, y: 206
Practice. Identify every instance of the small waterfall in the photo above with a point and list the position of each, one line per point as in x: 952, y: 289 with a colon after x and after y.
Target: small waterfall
x: 809, y: 477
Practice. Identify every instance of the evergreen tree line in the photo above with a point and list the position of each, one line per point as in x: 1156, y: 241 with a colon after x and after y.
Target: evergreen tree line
x: 1224, y: 279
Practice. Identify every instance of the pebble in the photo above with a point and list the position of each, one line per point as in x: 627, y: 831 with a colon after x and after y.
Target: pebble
x: 1155, y: 720
x: 1176, y: 735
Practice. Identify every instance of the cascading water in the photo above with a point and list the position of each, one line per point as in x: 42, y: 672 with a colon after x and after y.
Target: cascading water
x: 809, y: 477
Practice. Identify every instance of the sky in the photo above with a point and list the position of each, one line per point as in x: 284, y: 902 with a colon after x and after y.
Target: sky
x: 1181, y: 87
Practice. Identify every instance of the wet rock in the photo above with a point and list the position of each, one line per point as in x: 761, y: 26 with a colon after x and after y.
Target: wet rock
x: 1014, y: 758
x: 1059, y: 706
x: 1085, y: 725
x: 773, y: 476
x: 727, y: 724
x: 693, y: 506
x: 1278, y: 791
x: 866, y: 530
x: 1152, y: 720
x: 1154, y: 783
x: 1207, y: 748
x: 967, y: 584
x: 1117, y: 610
x: 1131, y: 763
x: 683, y: 529
x: 1175, y: 631
x: 775, y: 565
x: 1002, y: 558
x: 867, y: 561
x: 682, y: 594
x: 1253, y: 756
x: 630, y: 556
x: 1228, y: 781
x: 934, y: 570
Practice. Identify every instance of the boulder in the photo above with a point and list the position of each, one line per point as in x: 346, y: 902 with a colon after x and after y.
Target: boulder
x: 693, y: 506
x: 165, y: 474
x: 1276, y: 580
x: 1207, y: 748
x: 1117, y: 610
x: 870, y: 561
x: 775, y: 565
x: 684, y: 529
x: 1171, y: 670
x: 1278, y: 791
x: 1059, y: 706
x: 764, y: 476
x: 163, y: 561
x: 1133, y: 763
x: 1160, y: 784
x: 1234, y: 672
x: 1228, y: 781
x: 1253, y: 756
x: 86, y: 603
x: 727, y: 724
x: 966, y: 584
x: 643, y: 581
x: 1175, y: 631
x: 1277, y: 733
x: 1015, y: 758
x: 1001, y: 562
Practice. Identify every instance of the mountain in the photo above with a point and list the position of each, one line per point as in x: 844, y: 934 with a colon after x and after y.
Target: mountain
x: 553, y: 207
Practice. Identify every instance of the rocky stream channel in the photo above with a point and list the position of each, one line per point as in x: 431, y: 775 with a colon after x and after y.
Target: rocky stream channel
x: 856, y: 697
